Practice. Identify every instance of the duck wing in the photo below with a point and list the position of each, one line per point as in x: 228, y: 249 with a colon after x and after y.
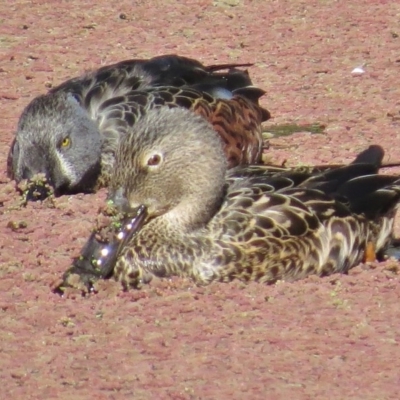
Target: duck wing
x: 289, y: 224
x: 169, y: 70
x: 271, y: 201
x: 359, y: 186
x: 174, y: 70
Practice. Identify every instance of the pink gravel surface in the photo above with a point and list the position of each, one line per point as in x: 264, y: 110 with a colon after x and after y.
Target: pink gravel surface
x: 331, y: 338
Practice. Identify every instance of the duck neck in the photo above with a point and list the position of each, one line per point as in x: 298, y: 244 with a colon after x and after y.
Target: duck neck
x: 194, y: 212
x: 204, y: 191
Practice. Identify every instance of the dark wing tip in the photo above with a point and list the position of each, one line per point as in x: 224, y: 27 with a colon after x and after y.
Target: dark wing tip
x: 373, y: 155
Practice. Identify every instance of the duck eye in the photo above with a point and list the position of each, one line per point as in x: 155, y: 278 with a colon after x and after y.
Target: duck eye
x: 154, y: 160
x: 66, y: 142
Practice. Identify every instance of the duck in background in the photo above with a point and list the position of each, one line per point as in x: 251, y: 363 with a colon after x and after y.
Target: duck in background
x: 70, y: 135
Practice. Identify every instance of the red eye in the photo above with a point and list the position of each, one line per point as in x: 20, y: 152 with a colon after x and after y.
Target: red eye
x: 154, y: 160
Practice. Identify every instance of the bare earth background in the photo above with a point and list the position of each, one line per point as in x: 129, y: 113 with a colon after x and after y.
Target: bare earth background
x: 332, y: 338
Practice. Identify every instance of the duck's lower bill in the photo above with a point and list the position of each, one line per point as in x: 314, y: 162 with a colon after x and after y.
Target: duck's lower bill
x: 36, y: 188
x: 100, y: 253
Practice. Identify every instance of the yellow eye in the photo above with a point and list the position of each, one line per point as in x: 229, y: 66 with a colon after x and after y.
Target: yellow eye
x: 66, y: 142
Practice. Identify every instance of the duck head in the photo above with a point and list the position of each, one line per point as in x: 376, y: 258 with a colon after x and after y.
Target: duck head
x: 172, y: 162
x: 57, y: 138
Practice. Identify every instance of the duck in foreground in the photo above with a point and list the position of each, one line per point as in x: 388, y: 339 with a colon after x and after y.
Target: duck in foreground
x: 188, y: 215
x: 70, y: 134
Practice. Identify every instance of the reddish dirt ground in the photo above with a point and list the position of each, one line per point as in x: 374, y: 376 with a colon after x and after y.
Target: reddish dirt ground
x: 332, y: 338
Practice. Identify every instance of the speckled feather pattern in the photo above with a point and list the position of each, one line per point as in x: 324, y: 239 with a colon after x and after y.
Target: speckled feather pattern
x: 250, y: 223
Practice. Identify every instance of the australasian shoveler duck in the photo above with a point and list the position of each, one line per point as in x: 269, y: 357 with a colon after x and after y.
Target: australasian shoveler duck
x: 71, y: 133
x: 187, y: 214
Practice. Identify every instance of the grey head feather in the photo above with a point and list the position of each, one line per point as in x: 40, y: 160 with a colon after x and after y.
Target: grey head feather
x: 56, y: 137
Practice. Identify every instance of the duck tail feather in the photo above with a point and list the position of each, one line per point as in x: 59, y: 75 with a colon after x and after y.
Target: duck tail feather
x: 373, y: 155
x: 371, y: 195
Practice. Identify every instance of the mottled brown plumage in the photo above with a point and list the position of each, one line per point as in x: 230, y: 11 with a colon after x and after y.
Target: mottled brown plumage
x: 71, y: 133
x: 257, y: 223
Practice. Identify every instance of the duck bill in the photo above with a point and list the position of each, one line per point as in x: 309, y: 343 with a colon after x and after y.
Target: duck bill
x: 38, y: 191
x: 97, y: 258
